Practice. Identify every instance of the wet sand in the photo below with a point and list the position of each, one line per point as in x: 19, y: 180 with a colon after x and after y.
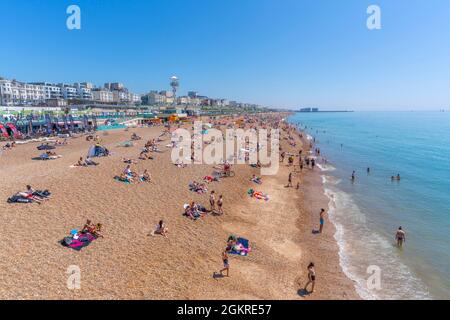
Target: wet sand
x: 128, y: 263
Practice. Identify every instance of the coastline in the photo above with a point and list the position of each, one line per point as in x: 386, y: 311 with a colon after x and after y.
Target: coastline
x: 179, y: 267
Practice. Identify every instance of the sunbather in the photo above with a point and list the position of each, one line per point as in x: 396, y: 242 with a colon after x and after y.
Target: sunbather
x: 145, y: 176
x: 80, y: 163
x: 256, y: 179
x: 90, y: 162
x: 88, y: 227
x: 161, y: 229
x: 129, y: 161
x: 134, y: 136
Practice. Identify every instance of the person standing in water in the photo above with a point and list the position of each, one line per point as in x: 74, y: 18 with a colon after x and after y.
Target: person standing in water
x: 400, y: 237
x: 353, y: 176
x: 321, y: 219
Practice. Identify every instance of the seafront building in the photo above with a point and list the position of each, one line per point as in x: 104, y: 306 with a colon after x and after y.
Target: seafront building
x: 112, y: 95
x: 17, y: 93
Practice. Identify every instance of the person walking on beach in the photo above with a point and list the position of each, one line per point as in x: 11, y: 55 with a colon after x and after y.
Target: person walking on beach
x: 212, y: 201
x: 219, y: 204
x: 311, y: 278
x: 400, y: 237
x: 226, y: 264
x: 289, y: 185
x: 321, y: 220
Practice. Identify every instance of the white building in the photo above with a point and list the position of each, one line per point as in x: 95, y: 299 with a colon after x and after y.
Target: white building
x: 84, y: 90
x: 51, y: 90
x: 134, y: 98
x: 68, y: 91
x: 154, y: 98
x: 13, y: 92
x: 120, y: 96
x: 102, y: 95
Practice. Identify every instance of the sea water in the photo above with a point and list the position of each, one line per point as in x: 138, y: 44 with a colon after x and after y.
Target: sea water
x: 368, y: 211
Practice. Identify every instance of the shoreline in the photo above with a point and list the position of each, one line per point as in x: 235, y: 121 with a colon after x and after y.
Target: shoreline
x: 178, y: 267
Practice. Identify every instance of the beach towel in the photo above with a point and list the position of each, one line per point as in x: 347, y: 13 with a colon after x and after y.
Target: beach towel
x: 18, y: 199
x: 77, y: 244
x: 121, y: 180
x: 126, y: 144
x: 45, y: 147
x: 258, y: 195
x: 244, y: 245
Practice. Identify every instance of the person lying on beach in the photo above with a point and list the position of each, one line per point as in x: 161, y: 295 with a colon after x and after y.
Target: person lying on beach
x: 145, y: 176
x: 209, y: 179
x: 134, y: 136
x: 129, y: 161
x: 9, y: 146
x: 197, y: 187
x: 161, y: 229
x: 256, y: 179
x: 90, y: 162
x: 144, y: 156
x: 194, y: 211
x: 59, y: 143
x: 48, y: 155
x: 31, y: 194
x: 180, y: 164
x: 257, y: 165
x: 257, y: 194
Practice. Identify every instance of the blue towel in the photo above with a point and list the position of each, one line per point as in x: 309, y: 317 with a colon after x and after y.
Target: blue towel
x: 244, y: 243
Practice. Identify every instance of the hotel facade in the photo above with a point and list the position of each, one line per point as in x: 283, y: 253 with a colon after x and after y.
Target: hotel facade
x: 16, y: 93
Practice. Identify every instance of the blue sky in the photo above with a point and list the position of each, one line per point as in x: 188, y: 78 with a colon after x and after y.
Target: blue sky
x: 286, y: 53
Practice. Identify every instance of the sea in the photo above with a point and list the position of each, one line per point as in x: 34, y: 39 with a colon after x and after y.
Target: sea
x: 367, y: 211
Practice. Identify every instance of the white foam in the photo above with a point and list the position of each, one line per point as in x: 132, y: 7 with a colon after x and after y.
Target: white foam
x: 361, y: 247
x: 325, y: 167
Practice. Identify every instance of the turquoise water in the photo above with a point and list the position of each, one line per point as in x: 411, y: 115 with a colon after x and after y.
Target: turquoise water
x: 366, y: 213
x: 111, y: 127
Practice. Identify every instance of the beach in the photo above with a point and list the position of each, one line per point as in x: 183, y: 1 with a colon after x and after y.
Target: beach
x: 128, y: 263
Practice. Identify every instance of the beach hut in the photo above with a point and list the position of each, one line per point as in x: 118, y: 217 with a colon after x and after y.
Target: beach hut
x: 3, y: 131
x: 12, y: 130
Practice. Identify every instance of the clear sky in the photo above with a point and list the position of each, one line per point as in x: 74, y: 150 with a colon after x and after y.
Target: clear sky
x: 287, y: 53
